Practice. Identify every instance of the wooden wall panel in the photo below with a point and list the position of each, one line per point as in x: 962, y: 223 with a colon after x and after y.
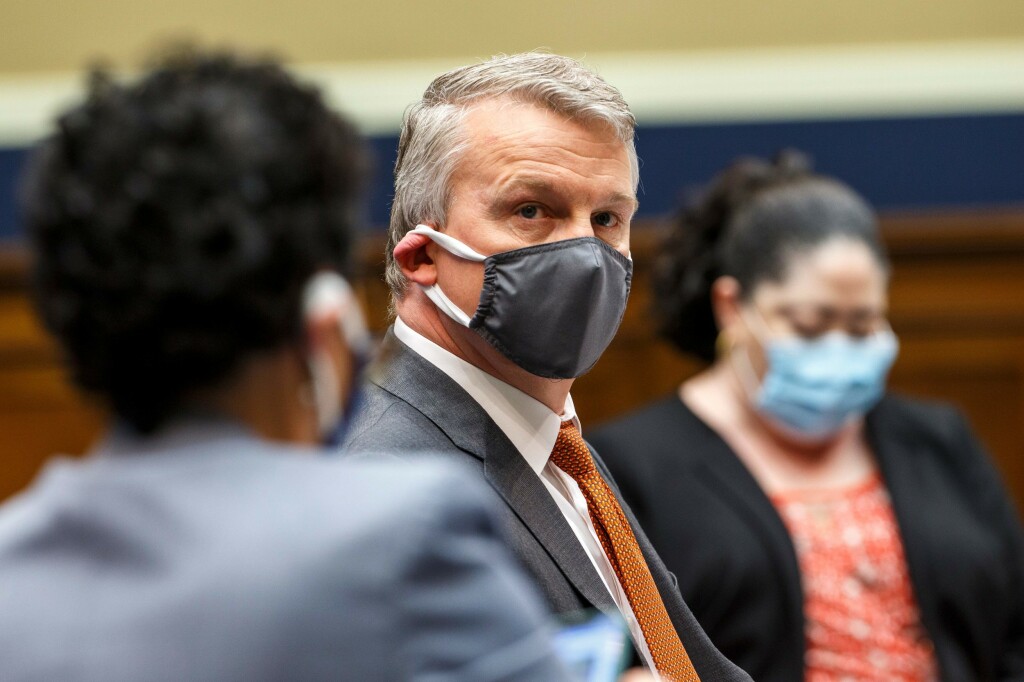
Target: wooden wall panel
x: 40, y: 414
x: 957, y: 303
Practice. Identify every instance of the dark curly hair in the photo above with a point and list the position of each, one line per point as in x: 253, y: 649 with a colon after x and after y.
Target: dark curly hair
x: 748, y: 223
x: 175, y: 220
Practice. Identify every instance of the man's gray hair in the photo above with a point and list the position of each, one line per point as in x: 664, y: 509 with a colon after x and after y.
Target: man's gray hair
x: 433, y: 137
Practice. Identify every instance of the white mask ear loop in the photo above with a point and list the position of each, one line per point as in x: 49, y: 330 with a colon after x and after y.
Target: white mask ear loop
x: 456, y: 248
x: 445, y: 304
x: 762, y: 322
x: 448, y: 243
x: 744, y: 367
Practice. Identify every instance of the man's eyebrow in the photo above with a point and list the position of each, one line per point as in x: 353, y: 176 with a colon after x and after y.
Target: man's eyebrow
x: 622, y: 198
x: 541, y: 186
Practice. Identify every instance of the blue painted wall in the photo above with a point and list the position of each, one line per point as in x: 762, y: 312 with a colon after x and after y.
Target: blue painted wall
x: 11, y: 162
x: 898, y: 163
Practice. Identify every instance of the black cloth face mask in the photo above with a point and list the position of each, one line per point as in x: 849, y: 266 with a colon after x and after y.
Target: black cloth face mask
x: 552, y: 308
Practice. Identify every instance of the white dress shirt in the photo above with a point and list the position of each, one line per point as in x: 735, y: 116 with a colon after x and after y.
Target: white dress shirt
x: 533, y: 428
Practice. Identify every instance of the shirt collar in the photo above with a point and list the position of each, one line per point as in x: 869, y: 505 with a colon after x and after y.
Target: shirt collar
x: 529, y: 424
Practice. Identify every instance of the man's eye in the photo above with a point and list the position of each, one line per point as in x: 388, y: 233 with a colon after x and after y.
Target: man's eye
x: 606, y: 219
x: 530, y: 211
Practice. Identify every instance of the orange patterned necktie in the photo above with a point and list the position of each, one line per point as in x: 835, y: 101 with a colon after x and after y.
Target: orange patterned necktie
x: 572, y: 456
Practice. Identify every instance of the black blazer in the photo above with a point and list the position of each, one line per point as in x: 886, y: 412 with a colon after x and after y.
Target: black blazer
x: 737, y: 568
x: 412, y: 410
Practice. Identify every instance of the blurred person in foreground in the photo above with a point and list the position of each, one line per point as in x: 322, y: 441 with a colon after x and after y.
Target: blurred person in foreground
x: 508, y: 261
x: 189, y: 232
x: 820, y: 528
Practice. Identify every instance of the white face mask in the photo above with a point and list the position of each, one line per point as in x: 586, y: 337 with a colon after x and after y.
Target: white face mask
x: 326, y: 293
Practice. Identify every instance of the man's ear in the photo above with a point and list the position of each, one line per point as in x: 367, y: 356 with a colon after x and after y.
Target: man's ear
x: 411, y: 254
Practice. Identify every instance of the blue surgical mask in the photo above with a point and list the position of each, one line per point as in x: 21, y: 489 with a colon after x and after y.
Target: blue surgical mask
x: 814, y: 387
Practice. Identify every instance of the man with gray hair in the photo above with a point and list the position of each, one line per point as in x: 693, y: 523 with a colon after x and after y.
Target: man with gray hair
x: 508, y: 262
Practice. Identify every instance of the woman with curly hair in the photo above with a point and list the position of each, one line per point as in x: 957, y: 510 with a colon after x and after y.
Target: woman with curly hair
x: 820, y: 528
x: 189, y: 233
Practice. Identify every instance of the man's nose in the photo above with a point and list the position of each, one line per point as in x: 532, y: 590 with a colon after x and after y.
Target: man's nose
x: 575, y: 227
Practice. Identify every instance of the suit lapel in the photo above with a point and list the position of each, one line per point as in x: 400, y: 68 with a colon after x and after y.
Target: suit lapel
x: 524, y: 492
x: 413, y: 379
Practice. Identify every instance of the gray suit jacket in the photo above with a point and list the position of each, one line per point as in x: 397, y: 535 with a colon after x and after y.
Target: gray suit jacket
x: 206, y: 554
x: 412, y: 407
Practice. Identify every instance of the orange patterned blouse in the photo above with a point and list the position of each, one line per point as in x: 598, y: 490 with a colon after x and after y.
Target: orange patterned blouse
x: 862, y: 621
